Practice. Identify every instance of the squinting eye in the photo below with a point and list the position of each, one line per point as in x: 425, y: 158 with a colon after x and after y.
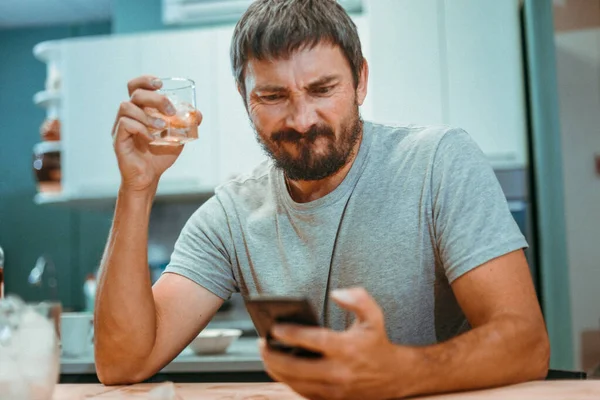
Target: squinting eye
x: 323, y: 90
x: 272, y: 97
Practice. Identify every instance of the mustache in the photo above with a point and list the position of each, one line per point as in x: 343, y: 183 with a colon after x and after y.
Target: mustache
x: 293, y: 136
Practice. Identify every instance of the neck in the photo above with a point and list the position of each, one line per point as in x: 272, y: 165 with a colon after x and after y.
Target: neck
x: 306, y: 191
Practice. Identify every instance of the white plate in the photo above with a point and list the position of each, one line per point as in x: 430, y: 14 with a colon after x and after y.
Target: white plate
x: 214, y: 341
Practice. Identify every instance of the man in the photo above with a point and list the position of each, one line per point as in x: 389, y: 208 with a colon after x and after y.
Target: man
x: 405, y: 228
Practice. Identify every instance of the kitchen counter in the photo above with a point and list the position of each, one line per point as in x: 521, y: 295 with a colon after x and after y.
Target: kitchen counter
x: 546, y: 390
x: 241, y: 356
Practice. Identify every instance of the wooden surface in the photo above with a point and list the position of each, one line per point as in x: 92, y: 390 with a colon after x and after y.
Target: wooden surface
x: 546, y: 390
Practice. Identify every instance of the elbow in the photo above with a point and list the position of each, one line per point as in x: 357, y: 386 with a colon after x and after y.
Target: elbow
x: 112, y: 376
x: 541, y: 356
x: 118, y: 372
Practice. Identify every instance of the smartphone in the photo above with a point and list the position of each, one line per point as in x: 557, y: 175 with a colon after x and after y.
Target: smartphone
x: 267, y: 311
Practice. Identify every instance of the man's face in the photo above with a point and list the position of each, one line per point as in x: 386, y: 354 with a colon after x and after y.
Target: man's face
x: 305, y: 110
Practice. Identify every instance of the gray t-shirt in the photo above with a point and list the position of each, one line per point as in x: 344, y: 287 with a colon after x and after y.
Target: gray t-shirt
x: 420, y: 207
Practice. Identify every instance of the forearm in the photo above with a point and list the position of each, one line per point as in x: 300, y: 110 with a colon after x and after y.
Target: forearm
x: 506, y: 351
x: 125, y: 316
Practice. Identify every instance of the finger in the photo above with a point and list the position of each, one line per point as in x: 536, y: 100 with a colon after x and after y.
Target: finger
x: 132, y: 111
x: 148, y: 82
x: 285, y: 367
x: 317, y: 339
x: 146, y: 98
x: 367, y: 311
x: 198, y: 117
x: 127, y: 127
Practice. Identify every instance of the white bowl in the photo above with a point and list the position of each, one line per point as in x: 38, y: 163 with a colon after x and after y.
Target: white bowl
x: 214, y: 341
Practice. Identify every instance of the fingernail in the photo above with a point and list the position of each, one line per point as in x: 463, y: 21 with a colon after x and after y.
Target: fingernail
x: 343, y: 295
x: 170, y: 110
x: 157, y: 83
x: 159, y: 123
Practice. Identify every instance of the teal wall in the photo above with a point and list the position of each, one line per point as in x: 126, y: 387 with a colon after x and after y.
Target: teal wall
x: 548, y: 179
x: 73, y: 239
x: 132, y: 16
x: 136, y: 16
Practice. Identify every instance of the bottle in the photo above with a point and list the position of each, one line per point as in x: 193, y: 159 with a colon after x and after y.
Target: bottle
x: 89, y: 292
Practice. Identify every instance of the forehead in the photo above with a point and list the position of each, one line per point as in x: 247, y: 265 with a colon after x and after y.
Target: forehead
x: 301, y: 67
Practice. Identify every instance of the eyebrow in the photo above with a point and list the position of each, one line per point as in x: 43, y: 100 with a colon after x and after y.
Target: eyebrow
x: 278, y: 89
x: 324, y: 81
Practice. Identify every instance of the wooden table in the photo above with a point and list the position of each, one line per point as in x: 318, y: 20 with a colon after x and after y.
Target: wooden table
x: 546, y: 390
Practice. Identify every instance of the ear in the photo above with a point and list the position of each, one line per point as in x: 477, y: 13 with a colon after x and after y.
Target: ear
x: 363, y: 82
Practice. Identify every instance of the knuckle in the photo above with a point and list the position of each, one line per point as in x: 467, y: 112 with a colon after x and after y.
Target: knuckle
x: 122, y: 122
x: 322, y: 340
x: 135, y: 95
x: 341, y: 378
x: 123, y: 107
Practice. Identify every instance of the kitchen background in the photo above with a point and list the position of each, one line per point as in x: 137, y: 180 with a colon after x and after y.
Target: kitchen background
x: 523, y: 77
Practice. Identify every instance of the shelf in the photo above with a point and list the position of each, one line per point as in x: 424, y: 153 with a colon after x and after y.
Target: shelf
x: 50, y: 198
x: 46, y: 51
x: 47, y: 99
x: 106, y: 199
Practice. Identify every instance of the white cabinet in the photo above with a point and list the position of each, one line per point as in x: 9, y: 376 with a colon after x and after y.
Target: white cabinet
x: 95, y: 74
x: 453, y: 62
x: 406, y: 61
x: 239, y: 150
x: 485, y: 76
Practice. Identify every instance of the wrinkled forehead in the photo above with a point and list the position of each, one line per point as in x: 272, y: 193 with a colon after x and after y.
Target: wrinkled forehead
x: 299, y: 68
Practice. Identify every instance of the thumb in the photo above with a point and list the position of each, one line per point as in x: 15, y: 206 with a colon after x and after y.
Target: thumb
x: 360, y: 302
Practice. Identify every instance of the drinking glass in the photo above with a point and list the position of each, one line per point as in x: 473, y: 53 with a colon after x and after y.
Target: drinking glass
x: 179, y: 127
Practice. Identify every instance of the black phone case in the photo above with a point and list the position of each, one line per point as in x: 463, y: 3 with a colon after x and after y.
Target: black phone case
x: 267, y: 311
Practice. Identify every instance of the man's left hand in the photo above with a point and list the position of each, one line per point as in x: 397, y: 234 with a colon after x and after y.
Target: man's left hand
x: 359, y: 363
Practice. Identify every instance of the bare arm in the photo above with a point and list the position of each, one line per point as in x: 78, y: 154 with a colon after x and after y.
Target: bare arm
x: 139, y: 329
x: 508, y: 343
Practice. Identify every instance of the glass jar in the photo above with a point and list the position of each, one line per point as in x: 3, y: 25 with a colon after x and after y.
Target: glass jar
x: 29, y: 350
x: 46, y: 166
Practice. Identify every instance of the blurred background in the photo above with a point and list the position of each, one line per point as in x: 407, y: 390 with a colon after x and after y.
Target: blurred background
x: 522, y: 77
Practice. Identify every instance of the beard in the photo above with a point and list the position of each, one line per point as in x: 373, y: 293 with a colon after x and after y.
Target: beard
x: 310, y: 163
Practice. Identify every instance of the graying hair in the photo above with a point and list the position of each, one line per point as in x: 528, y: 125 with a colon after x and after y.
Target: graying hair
x: 274, y: 29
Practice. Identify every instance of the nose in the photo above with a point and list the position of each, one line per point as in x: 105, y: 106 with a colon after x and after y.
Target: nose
x: 302, y: 114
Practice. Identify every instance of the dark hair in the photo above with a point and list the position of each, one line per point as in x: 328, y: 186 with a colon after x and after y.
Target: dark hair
x: 272, y: 29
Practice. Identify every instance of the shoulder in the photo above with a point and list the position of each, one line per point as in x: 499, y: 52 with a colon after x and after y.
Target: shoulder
x: 418, y: 140
x: 248, y: 190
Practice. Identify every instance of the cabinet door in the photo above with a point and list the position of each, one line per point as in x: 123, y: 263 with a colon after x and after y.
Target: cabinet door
x: 239, y: 152
x: 485, y: 77
x: 406, y: 70
x: 95, y: 78
x: 188, y: 54
x: 363, y: 28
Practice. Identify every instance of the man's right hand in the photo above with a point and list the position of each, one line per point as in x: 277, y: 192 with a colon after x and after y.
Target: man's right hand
x: 140, y: 163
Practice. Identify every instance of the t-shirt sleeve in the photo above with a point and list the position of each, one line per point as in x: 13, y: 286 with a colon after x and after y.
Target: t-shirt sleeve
x: 471, y: 218
x: 201, y: 253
